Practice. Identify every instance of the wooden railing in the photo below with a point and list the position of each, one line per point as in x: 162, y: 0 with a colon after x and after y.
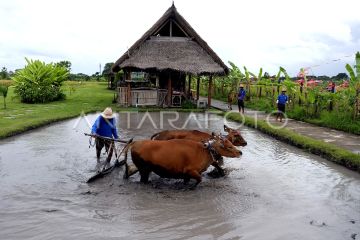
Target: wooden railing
x: 141, y: 96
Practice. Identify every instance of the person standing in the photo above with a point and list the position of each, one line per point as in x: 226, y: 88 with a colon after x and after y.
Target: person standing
x: 332, y: 89
x: 281, y: 102
x: 105, y: 126
x: 241, y: 98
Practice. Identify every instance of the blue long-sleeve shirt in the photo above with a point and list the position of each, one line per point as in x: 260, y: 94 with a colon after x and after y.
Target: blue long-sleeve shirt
x: 105, y: 127
x: 282, y: 98
x: 241, y: 94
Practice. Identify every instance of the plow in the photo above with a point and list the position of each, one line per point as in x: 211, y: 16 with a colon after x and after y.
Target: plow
x: 117, y: 150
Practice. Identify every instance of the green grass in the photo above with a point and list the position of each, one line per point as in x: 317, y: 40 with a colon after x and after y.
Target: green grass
x: 326, y: 150
x: 19, y: 117
x: 340, y: 121
x: 87, y: 97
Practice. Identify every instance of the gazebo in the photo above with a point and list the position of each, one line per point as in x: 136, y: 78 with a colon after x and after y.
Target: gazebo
x: 168, y: 53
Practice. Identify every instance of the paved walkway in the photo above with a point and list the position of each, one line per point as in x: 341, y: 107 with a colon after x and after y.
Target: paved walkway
x: 342, y: 139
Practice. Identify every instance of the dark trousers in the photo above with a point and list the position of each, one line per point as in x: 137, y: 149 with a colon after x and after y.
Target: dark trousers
x: 241, y: 105
x: 281, y: 107
x: 100, y: 143
x: 281, y: 111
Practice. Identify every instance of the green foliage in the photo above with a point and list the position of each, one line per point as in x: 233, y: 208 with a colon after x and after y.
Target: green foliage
x: 310, y: 105
x: 39, y: 82
x: 65, y: 64
x: 4, y: 91
x: 188, y: 105
x: 79, y: 77
x: 107, y: 68
x: 4, y: 73
x: 340, y: 76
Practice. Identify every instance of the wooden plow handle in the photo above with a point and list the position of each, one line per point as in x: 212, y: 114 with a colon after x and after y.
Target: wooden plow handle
x: 107, y: 138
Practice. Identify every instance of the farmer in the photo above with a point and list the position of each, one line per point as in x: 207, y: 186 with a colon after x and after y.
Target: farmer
x: 241, y: 98
x: 281, y: 101
x: 105, y: 126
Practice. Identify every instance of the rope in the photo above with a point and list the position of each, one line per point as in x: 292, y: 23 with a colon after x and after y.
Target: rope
x: 90, y: 142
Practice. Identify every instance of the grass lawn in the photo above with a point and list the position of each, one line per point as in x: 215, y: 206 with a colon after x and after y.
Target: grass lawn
x: 19, y: 117
x: 87, y: 97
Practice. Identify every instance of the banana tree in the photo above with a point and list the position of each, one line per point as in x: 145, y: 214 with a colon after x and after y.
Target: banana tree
x: 4, y: 91
x: 258, y: 79
x: 355, y: 82
x: 248, y: 81
x: 277, y: 79
x: 235, y: 76
x: 291, y: 88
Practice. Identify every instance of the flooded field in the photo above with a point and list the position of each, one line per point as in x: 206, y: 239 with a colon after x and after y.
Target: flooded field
x: 273, y: 191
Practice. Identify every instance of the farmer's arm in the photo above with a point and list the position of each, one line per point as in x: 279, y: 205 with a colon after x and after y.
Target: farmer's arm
x: 95, y: 126
x: 114, y: 130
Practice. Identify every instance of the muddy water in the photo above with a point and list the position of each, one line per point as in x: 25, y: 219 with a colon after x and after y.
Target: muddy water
x: 273, y: 191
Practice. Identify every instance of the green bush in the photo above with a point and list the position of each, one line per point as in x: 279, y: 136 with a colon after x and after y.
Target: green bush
x: 39, y: 82
x: 298, y: 113
x: 188, y: 105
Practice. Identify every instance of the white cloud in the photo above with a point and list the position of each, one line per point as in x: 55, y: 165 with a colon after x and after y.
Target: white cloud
x: 255, y: 33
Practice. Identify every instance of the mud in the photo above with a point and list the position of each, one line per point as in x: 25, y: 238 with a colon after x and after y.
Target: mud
x: 273, y: 191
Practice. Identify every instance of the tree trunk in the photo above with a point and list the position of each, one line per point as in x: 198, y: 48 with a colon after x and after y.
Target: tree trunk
x: 260, y: 92
x: 210, y: 91
x: 197, y: 88
x: 169, y: 96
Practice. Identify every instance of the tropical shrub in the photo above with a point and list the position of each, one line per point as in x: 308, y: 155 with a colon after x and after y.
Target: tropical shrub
x: 39, y: 82
x: 4, y: 91
x: 188, y: 105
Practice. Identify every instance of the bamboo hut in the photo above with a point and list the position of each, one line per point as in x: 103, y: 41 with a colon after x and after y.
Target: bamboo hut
x: 168, y: 53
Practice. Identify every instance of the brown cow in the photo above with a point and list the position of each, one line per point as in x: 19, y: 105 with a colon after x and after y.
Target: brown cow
x: 233, y: 136
x: 177, y: 158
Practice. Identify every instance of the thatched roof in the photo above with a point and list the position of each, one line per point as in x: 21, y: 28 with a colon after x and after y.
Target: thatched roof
x: 189, y: 54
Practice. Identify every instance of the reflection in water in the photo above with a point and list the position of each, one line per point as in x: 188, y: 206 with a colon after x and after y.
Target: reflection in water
x: 273, y: 191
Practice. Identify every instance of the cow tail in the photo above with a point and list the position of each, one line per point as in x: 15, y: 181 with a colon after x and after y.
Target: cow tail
x: 155, y: 135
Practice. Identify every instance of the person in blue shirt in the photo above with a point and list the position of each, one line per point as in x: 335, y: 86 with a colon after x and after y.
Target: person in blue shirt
x: 105, y: 126
x: 241, y: 98
x: 281, y: 102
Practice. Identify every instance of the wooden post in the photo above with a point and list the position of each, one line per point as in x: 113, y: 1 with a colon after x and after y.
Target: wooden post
x: 197, y: 88
x: 157, y: 81
x: 128, y: 77
x: 169, y: 95
x: 209, y: 91
x: 189, y: 85
x: 170, y: 28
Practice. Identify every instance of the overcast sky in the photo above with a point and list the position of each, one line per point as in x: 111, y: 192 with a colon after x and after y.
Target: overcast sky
x: 254, y: 33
